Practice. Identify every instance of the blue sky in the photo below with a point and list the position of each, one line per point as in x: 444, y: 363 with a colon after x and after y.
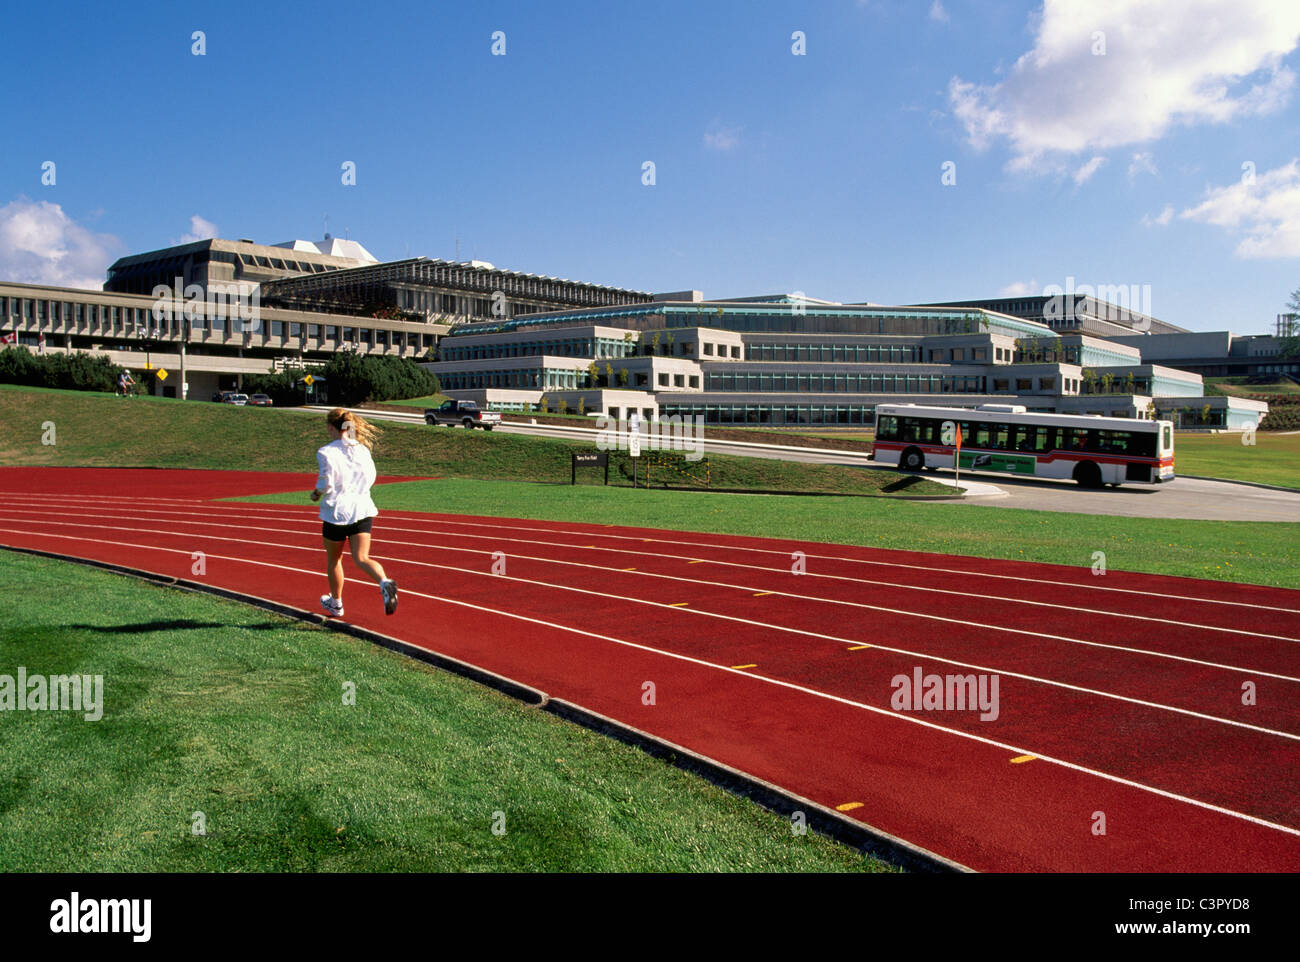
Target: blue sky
x: 819, y: 172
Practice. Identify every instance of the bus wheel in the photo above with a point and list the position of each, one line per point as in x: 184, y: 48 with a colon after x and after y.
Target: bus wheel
x: 1088, y: 475
x: 912, y: 460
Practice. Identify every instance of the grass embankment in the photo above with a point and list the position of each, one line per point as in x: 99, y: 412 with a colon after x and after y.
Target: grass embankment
x: 1254, y: 552
x: 1272, y: 459
x: 214, y: 707
x: 1248, y: 387
x: 104, y: 430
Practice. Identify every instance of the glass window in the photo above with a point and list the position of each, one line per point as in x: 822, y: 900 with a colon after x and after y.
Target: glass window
x: 1024, y: 384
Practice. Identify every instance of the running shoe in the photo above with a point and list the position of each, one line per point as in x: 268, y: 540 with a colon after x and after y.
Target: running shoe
x: 389, y: 588
x: 333, y: 607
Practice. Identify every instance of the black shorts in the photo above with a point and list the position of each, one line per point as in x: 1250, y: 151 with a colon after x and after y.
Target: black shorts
x: 340, y: 532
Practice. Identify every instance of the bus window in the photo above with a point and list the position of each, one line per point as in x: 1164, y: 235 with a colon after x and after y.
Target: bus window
x: 887, y: 430
x: 1043, y: 438
x: 1169, y: 438
x: 1001, y: 436
x: 1025, y: 437
x: 1078, y: 438
x: 981, y: 436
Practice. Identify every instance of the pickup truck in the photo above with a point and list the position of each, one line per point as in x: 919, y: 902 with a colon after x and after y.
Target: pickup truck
x: 462, y: 412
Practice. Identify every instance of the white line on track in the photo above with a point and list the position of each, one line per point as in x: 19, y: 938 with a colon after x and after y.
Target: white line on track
x: 751, y: 676
x: 965, y: 594
x: 802, y: 597
x: 1085, y: 586
x: 738, y: 620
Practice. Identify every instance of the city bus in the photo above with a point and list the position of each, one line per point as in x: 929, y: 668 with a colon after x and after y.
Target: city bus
x: 1087, y: 448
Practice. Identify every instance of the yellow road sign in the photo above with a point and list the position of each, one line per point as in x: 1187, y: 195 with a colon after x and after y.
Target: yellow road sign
x: 162, y: 374
x: 309, y: 379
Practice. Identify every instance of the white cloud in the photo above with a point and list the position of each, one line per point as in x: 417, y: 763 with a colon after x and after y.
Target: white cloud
x: 1166, y: 62
x: 1084, y: 173
x: 1142, y: 163
x: 720, y: 137
x: 40, y: 244
x: 937, y: 13
x: 1161, y: 219
x: 1021, y: 289
x: 1266, y: 212
x: 200, y: 229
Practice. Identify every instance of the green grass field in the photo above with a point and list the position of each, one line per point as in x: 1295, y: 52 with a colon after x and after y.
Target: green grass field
x: 214, y: 707
x: 1272, y: 459
x: 1245, y: 387
x: 104, y: 430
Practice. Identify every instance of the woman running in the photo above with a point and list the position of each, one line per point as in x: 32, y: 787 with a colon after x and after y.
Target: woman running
x: 346, y: 473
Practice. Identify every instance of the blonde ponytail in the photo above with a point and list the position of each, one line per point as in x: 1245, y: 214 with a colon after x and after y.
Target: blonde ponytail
x: 354, y: 426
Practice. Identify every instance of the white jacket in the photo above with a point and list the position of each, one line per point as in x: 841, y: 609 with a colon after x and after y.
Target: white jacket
x: 347, y: 472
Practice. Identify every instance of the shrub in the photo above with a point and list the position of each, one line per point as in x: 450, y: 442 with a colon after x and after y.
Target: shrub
x: 77, y: 372
x: 354, y: 378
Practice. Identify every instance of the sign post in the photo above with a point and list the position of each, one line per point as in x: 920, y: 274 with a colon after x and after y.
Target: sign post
x: 634, y: 442
x: 598, y: 459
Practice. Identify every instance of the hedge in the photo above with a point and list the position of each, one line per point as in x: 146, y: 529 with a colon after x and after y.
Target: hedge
x: 78, y: 372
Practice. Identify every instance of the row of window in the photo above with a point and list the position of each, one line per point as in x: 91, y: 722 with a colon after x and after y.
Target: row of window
x: 851, y: 353
x: 773, y: 414
x: 791, y: 382
x: 1029, y: 438
x: 571, y: 347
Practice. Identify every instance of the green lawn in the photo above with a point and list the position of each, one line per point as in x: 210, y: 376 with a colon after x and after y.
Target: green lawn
x: 104, y: 430
x: 218, y: 708
x: 1272, y: 459
x: 428, y: 401
x: 1244, y: 387
x: 1255, y: 552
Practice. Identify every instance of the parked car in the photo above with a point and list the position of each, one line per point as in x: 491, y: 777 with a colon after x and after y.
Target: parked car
x: 467, y: 413
x: 260, y: 401
x: 233, y: 398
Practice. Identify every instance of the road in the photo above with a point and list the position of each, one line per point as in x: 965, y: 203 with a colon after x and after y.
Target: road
x: 1184, y: 498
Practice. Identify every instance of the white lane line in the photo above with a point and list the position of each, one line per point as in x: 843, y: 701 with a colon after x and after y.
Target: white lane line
x: 751, y: 588
x: 738, y: 620
x: 761, y: 679
x: 966, y: 595
x: 800, y: 546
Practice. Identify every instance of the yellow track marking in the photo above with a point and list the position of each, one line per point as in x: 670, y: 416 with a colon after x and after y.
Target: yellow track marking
x: 1022, y: 758
x: 738, y: 667
x: 696, y: 562
x: 848, y: 806
x: 859, y: 647
x: 759, y: 594
x: 680, y: 604
x: 629, y: 569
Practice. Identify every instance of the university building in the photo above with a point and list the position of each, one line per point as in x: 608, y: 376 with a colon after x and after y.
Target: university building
x: 526, y: 342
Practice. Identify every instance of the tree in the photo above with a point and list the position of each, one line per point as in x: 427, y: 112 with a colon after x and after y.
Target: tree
x: 1090, y: 379
x: 561, y: 406
x: 1289, y: 343
x: 582, y: 405
x: 622, y: 376
x: 1107, y: 382
x: 1019, y: 349
x: 1129, y: 384
x: 592, y: 372
x: 609, y: 374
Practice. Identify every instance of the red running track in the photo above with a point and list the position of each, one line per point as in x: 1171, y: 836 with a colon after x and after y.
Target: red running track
x: 1120, y: 697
